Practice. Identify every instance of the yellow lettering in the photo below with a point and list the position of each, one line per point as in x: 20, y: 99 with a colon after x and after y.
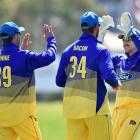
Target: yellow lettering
x: 5, y: 78
x: 80, y: 48
x: 4, y: 57
x: 78, y: 68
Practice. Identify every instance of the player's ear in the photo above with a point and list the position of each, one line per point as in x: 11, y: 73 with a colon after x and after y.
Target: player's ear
x: 15, y: 37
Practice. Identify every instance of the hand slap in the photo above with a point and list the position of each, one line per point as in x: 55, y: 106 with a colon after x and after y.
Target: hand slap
x: 26, y: 43
x: 104, y: 26
x: 107, y: 22
x: 126, y: 23
x: 47, y: 31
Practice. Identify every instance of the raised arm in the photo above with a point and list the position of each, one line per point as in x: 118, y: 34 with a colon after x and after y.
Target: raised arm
x: 37, y: 60
x: 26, y: 43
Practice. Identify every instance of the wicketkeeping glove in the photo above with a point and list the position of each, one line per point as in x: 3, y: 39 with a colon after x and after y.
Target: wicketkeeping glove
x: 104, y: 26
x: 126, y: 24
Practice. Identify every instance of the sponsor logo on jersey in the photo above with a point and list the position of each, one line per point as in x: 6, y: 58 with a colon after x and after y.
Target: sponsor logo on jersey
x: 125, y: 76
x: 132, y: 122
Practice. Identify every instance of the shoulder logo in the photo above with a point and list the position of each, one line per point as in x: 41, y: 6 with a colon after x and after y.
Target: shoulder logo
x: 132, y: 122
x: 125, y: 76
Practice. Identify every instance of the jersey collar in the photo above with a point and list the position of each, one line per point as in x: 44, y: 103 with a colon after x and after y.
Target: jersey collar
x: 10, y: 47
x: 86, y: 35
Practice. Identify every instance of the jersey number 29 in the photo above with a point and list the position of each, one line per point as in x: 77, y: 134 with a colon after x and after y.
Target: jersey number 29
x: 5, y: 77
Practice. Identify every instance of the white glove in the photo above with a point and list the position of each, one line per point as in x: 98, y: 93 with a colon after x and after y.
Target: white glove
x: 126, y: 24
x: 104, y: 26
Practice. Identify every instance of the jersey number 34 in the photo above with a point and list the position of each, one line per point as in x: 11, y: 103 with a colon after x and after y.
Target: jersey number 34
x: 78, y: 68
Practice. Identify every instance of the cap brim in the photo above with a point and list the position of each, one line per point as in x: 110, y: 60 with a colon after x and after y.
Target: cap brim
x: 85, y: 27
x: 21, y: 29
x: 4, y: 37
x: 120, y: 36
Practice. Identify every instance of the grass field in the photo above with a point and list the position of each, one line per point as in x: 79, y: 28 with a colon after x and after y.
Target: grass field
x: 51, y: 121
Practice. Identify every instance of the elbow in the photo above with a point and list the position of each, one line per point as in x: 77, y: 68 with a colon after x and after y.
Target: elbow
x: 53, y: 58
x: 60, y: 83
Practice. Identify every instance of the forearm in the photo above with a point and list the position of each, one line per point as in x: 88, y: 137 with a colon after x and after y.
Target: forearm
x: 51, y: 44
x: 37, y: 60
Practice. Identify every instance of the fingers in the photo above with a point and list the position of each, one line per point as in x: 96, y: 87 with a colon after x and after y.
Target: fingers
x: 107, y: 22
x: 51, y: 29
x: 126, y: 16
x: 26, y: 43
x: 26, y: 37
x: 125, y: 23
x: 106, y: 17
x: 47, y: 31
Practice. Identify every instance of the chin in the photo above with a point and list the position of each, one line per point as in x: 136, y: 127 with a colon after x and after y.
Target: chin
x: 126, y: 51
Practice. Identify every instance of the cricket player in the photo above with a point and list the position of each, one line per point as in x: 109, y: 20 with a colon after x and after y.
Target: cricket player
x: 126, y: 113
x: 17, y: 83
x: 84, y: 66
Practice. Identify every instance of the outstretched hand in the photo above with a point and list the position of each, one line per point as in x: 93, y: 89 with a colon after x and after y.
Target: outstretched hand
x: 126, y: 24
x: 107, y: 23
x: 26, y: 43
x: 104, y: 26
x: 47, y: 31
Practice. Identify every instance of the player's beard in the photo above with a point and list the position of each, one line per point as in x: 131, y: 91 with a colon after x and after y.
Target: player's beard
x: 97, y: 33
x: 18, y: 41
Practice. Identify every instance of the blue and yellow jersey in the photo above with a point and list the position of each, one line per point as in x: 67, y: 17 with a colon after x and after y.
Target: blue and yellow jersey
x: 17, y: 81
x: 128, y: 71
x: 83, y: 67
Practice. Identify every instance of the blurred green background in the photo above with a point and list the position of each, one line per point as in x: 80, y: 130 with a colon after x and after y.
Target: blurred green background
x: 63, y: 16
x: 51, y: 121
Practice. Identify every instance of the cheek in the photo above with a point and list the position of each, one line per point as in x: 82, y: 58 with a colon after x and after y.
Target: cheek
x: 97, y: 33
x: 19, y: 39
x: 124, y: 43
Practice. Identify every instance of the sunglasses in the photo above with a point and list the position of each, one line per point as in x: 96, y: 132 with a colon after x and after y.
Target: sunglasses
x: 126, y: 38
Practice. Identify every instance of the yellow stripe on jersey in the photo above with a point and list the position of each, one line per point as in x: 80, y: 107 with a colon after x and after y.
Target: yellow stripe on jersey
x: 129, y: 93
x: 83, y: 84
x: 80, y: 99
x: 15, y: 112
